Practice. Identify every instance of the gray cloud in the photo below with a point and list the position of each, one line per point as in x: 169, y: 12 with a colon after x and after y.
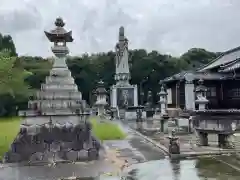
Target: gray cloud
x: 169, y: 26
x: 17, y: 20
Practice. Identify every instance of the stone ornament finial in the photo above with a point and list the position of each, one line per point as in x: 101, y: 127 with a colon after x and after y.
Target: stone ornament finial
x: 59, y: 22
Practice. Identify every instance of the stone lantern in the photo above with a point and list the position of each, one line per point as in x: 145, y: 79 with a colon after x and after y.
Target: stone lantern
x: 201, y: 96
x: 163, y: 108
x: 163, y: 101
x: 101, y: 98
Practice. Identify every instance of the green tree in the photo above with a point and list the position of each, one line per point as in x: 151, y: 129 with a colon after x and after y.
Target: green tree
x: 13, y: 90
x: 6, y: 42
x: 12, y: 78
x: 196, y: 57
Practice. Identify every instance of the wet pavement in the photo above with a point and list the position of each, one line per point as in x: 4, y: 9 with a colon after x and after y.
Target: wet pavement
x: 194, y: 169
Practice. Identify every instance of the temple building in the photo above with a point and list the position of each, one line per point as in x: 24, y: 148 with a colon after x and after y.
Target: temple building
x: 220, y: 76
x: 211, y: 95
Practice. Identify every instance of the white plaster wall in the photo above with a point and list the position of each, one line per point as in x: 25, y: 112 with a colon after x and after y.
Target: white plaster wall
x: 189, y: 96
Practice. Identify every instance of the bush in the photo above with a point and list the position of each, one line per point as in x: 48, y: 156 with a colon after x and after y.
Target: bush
x: 105, y: 130
x: 9, y: 128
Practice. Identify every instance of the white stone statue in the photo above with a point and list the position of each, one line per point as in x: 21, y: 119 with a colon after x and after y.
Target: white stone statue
x: 122, y: 67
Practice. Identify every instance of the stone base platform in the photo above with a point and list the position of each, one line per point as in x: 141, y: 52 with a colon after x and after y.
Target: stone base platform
x: 60, y: 139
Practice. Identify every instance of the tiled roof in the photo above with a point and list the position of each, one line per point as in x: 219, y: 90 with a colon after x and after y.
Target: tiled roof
x: 231, y: 66
x: 58, y: 30
x: 197, y: 76
x: 225, y: 58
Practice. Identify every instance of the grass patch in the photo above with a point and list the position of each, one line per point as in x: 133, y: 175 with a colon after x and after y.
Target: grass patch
x: 9, y: 128
x: 105, y: 130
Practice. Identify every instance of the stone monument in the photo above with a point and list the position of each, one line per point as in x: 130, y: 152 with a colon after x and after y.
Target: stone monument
x: 163, y: 108
x: 101, y: 98
x: 123, y: 94
x: 59, y: 95
x: 55, y: 128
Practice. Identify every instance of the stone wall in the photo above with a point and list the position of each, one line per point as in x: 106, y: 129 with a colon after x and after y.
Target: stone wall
x: 63, y: 142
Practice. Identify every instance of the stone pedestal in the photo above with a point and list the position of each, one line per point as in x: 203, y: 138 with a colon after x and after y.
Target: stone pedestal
x: 163, y: 125
x: 101, y: 110
x: 203, y: 139
x: 222, y: 140
x: 122, y: 96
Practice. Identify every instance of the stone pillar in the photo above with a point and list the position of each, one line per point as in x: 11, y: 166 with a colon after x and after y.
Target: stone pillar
x: 135, y: 95
x: 203, y: 138
x: 222, y: 140
x: 189, y: 92
x: 114, y: 97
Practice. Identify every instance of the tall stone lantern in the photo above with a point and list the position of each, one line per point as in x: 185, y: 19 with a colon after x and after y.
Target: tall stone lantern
x: 163, y: 108
x: 163, y: 101
x: 201, y: 94
x: 101, y: 98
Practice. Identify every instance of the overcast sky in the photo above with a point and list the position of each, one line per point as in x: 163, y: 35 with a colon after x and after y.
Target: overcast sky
x: 169, y: 26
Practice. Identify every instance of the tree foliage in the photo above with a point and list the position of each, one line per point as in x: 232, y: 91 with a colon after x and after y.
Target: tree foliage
x: 19, y: 76
x: 12, y: 78
x: 6, y: 42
